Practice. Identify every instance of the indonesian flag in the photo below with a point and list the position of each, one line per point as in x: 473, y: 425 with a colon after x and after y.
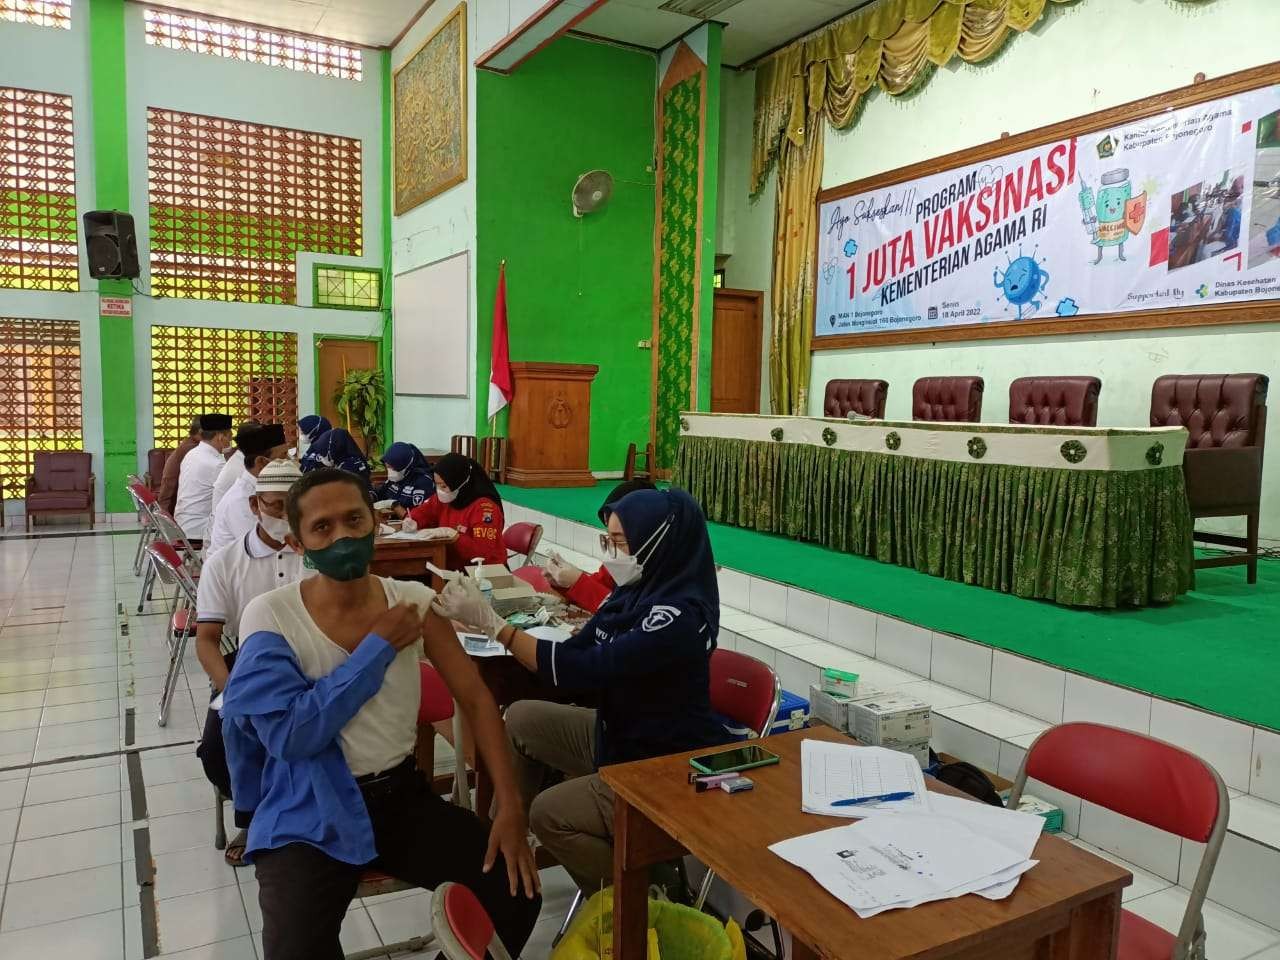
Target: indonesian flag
x: 500, y: 386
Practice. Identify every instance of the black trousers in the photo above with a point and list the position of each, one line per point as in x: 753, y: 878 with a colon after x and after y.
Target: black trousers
x: 211, y: 750
x: 421, y: 839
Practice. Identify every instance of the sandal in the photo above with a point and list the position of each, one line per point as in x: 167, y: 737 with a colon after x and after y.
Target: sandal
x: 234, y: 854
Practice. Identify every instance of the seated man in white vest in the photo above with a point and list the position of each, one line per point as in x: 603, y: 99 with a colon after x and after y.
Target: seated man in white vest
x: 257, y: 562
x: 233, y: 517
x: 193, y: 509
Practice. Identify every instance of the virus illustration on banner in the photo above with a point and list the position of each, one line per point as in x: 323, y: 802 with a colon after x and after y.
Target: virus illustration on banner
x: 1114, y: 214
x: 1024, y: 279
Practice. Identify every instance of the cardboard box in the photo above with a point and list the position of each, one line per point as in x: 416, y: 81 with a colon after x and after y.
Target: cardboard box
x: 917, y: 748
x: 831, y: 708
x: 891, y: 717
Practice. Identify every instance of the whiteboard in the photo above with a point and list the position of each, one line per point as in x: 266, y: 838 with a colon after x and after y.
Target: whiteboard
x: 431, y: 328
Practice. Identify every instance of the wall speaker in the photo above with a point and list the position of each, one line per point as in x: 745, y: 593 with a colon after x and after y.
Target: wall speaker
x: 112, y: 246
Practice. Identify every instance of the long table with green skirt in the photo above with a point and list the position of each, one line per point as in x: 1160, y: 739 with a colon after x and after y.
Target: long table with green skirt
x: 1080, y: 516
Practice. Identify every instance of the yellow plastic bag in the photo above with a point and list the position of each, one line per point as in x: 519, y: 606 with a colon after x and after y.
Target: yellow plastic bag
x: 676, y: 932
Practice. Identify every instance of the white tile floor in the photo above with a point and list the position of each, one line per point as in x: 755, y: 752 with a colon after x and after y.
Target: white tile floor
x: 69, y: 676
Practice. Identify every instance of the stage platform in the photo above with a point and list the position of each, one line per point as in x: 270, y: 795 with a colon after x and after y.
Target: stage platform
x: 1217, y: 648
x: 999, y: 670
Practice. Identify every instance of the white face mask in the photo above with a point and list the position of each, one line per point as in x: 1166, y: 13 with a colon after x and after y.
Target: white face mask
x: 277, y: 528
x: 395, y: 476
x: 626, y: 568
x: 446, y: 496
x: 303, y: 443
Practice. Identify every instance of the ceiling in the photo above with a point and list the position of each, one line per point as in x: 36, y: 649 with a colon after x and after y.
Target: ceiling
x: 752, y: 27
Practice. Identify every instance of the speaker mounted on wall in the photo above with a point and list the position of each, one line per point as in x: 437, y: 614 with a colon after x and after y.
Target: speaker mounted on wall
x: 112, y: 246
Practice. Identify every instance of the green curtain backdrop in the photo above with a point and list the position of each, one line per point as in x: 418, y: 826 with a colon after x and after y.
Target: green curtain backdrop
x: 681, y: 130
x: 1086, y: 538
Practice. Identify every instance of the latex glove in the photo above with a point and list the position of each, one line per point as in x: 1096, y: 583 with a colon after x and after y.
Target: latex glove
x: 409, y: 525
x: 562, y: 573
x: 461, y: 600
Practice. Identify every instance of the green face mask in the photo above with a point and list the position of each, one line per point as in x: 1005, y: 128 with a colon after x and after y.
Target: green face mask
x: 345, y: 559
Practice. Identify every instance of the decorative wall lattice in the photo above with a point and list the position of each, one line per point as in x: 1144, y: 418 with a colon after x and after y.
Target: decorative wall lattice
x: 40, y: 13
x: 38, y: 239
x: 348, y: 288
x: 39, y: 395
x: 233, y: 202
x: 244, y: 373
x: 242, y: 41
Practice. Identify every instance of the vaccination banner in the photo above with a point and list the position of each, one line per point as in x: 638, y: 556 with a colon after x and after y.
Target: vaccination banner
x: 1180, y: 209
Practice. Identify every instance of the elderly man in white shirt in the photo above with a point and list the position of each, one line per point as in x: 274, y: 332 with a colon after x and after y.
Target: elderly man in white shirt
x: 259, y: 561
x: 233, y: 469
x: 233, y: 517
x: 200, y: 469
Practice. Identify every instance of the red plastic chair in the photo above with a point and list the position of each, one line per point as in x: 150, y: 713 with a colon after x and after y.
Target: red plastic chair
x: 1152, y: 782
x: 463, y: 925
x: 522, y: 540
x: 535, y: 577
x: 168, y: 566
x: 745, y: 690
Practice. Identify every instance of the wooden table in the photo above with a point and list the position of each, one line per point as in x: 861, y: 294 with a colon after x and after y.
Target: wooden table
x: 407, y: 559
x: 1066, y: 908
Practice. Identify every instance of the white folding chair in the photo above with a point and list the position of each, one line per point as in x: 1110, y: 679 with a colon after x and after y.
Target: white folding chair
x: 168, y: 531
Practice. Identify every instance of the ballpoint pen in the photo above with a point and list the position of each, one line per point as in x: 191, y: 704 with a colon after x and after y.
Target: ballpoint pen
x: 878, y: 798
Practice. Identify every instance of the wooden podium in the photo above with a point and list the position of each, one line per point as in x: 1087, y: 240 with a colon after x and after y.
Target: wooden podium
x: 548, y: 434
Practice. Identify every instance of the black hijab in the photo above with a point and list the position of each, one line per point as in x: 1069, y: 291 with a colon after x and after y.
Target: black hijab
x: 467, y: 479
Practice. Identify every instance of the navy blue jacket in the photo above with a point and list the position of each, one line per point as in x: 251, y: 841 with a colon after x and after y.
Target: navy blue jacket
x: 653, y: 676
x: 417, y: 487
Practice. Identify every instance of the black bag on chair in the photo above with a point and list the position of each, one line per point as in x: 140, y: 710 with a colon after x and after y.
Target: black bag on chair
x: 967, y: 778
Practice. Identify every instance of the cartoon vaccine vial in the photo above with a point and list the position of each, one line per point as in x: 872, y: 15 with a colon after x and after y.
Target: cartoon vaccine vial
x: 1111, y: 210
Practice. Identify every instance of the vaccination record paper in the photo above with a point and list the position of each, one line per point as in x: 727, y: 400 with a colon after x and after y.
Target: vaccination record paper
x: 839, y: 771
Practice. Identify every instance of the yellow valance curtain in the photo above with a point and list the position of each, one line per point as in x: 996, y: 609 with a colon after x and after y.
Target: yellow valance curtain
x: 822, y: 79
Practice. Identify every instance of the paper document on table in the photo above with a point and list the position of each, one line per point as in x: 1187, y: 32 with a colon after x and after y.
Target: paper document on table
x: 890, y: 862
x: 840, y: 771
x: 428, y: 534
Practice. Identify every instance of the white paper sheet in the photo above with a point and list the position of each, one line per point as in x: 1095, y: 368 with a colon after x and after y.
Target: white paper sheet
x: 838, y: 771
x: 427, y: 534
x: 889, y: 862
x: 478, y: 645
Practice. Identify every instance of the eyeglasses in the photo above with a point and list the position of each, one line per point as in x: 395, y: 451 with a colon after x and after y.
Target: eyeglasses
x: 608, y: 546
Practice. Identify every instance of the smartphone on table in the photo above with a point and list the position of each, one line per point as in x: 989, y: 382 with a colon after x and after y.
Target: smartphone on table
x: 731, y: 761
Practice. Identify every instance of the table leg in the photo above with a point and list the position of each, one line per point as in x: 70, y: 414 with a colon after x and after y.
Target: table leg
x: 1092, y: 932
x: 638, y: 844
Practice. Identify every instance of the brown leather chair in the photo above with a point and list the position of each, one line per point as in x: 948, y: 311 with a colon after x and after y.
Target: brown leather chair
x: 866, y: 397
x: 1226, y: 416
x: 947, y: 399
x: 62, y: 482
x: 156, y: 458
x: 1055, y: 401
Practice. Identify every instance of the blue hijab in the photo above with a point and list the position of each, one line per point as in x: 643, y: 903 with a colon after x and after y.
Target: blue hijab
x: 338, y: 449
x: 679, y: 568
x: 406, y: 458
x: 312, y: 425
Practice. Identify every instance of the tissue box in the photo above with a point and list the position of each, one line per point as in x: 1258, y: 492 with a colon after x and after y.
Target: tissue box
x: 891, y: 717
x: 1041, y: 808
x: 793, y: 713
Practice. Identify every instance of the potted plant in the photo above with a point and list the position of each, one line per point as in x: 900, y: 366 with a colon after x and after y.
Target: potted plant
x: 361, y: 399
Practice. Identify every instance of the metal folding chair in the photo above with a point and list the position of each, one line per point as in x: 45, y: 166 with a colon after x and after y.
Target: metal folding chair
x: 169, y: 568
x: 166, y: 530
x: 1152, y: 782
x: 463, y: 926
x: 144, y: 501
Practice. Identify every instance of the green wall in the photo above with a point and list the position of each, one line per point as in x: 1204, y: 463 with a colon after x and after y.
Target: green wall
x: 578, y: 290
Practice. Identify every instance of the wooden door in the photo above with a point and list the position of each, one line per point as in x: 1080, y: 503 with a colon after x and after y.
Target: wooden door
x: 735, y: 351
x: 334, y: 357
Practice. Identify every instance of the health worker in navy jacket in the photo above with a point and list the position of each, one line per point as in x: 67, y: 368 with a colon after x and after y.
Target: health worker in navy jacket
x: 410, y: 482
x: 647, y: 651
